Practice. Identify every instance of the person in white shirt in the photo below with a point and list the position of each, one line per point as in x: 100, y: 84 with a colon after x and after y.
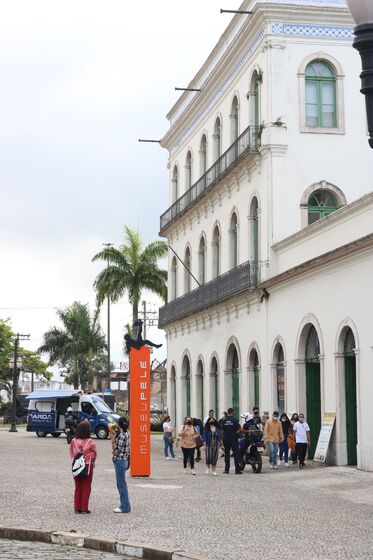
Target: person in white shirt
x: 302, y: 439
x: 168, y: 439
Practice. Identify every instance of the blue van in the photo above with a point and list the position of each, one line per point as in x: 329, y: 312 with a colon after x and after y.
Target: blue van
x: 46, y: 412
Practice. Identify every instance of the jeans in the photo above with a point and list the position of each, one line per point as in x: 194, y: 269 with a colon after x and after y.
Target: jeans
x: 273, y: 451
x: 188, y: 453
x: 121, y: 466
x: 301, y: 452
x: 168, y: 445
x: 284, y: 450
x: 228, y: 445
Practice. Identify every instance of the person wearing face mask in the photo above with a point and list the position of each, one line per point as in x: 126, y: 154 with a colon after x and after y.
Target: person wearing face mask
x: 212, y: 440
x: 188, y: 435
x: 284, y: 449
x: 273, y: 436
x: 302, y: 439
x: 230, y: 429
x: 291, y: 439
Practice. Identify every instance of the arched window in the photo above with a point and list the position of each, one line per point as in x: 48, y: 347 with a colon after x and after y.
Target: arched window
x: 217, y: 139
x: 254, y: 237
x: 175, y: 184
x: 187, y: 268
x: 203, y: 155
x: 174, y: 278
x: 188, y: 171
x: 321, y: 109
x: 280, y: 378
x: 202, y: 261
x: 320, y: 204
x: 200, y: 390
x: 254, y: 99
x: 216, y: 252
x: 234, y: 119
x: 187, y: 385
x: 233, y: 235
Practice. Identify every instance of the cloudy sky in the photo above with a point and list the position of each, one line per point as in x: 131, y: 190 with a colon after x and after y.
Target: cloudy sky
x: 81, y: 81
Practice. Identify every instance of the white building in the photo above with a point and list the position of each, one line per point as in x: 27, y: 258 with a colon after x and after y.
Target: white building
x: 271, y: 210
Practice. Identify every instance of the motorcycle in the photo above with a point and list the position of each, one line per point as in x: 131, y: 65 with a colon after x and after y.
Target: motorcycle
x: 249, y: 445
x: 70, y: 428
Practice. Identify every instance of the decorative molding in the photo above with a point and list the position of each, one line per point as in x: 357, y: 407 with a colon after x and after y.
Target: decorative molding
x: 303, y: 30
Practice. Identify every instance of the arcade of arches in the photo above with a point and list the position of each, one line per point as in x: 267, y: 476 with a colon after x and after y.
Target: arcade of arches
x: 204, y: 384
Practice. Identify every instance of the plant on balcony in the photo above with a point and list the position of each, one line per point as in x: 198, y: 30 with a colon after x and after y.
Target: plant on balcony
x: 130, y: 269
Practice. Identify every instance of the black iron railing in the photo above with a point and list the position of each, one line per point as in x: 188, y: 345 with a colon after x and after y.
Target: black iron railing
x: 233, y: 282
x: 248, y: 141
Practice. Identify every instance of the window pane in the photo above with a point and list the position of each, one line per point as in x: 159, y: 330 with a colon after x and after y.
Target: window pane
x: 311, y: 115
x: 311, y: 92
x: 319, y: 69
x: 313, y: 217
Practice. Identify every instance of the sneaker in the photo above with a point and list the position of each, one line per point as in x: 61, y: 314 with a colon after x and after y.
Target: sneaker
x: 214, y: 473
x: 271, y: 466
x: 168, y: 458
x: 275, y: 466
x: 174, y: 458
x: 238, y: 472
x: 193, y: 472
x: 185, y: 471
x: 301, y: 466
x: 286, y: 464
x: 207, y: 471
x: 117, y: 510
x: 226, y: 472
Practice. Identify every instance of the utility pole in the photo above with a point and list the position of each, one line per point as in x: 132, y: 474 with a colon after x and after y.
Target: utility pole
x: 149, y: 317
x: 13, y: 427
x: 108, y: 323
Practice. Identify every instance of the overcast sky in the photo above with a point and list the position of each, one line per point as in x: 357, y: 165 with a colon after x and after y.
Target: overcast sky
x: 81, y: 81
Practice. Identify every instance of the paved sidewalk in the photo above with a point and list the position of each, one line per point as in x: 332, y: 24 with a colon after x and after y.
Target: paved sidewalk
x: 318, y: 513
x: 16, y: 550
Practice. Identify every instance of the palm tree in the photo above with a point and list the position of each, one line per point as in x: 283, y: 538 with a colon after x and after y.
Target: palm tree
x: 131, y: 269
x: 80, y: 336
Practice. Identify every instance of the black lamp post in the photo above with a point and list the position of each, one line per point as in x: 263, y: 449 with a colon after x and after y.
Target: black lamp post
x: 362, y: 12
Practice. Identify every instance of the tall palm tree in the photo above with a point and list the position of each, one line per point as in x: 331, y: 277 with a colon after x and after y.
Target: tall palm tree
x: 80, y: 336
x: 131, y: 269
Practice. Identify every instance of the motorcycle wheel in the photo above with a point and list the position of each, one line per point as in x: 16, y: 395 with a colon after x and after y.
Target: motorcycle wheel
x: 256, y: 462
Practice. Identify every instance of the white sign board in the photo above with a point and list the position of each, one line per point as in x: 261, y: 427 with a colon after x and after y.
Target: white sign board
x: 324, y: 438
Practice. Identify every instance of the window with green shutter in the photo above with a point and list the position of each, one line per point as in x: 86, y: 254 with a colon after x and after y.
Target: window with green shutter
x: 321, y: 109
x: 320, y: 204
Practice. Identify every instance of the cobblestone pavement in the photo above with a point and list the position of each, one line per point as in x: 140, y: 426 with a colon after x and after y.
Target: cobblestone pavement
x: 17, y: 550
x: 320, y: 513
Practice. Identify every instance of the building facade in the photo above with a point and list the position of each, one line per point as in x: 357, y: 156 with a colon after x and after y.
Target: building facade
x: 270, y: 223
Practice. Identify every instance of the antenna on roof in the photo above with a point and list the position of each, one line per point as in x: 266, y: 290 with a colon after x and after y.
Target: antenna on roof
x: 186, y: 89
x: 235, y: 12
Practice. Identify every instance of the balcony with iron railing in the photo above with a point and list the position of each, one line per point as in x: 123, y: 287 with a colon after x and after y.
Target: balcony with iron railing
x: 247, y: 142
x: 233, y: 282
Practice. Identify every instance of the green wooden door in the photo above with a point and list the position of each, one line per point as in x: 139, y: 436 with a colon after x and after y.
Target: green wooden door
x: 187, y: 383
x: 351, y: 409
x: 256, y: 387
x: 236, y: 392
x: 202, y: 398
x: 313, y: 403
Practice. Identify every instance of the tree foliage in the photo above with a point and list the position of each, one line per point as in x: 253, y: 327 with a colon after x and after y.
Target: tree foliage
x: 76, y: 344
x: 130, y: 269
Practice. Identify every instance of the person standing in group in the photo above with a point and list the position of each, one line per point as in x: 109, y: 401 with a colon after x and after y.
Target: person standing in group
x: 188, y: 435
x: 211, y: 414
x: 83, y: 443
x: 284, y: 449
x: 120, y: 443
x: 211, y: 439
x: 230, y: 429
x: 197, y: 423
x: 291, y: 440
x: 302, y: 439
x: 256, y: 417
x: 219, y: 426
x: 273, y: 436
x: 168, y: 439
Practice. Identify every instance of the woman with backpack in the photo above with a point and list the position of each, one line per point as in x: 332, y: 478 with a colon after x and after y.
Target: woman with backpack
x: 83, y: 452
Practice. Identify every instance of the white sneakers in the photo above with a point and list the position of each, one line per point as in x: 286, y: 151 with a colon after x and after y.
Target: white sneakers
x: 117, y: 510
x: 193, y: 472
x: 168, y: 458
x: 185, y: 471
x: 275, y: 466
x: 214, y: 473
x: 207, y: 471
x: 286, y: 464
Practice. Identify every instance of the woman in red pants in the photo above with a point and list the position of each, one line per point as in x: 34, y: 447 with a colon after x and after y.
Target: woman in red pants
x: 82, y: 443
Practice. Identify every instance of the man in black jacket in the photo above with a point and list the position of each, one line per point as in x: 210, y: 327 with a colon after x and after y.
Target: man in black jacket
x: 230, y: 428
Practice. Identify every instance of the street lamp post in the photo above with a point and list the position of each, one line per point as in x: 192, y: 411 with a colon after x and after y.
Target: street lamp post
x: 13, y: 427
x: 362, y: 12
x: 108, y: 323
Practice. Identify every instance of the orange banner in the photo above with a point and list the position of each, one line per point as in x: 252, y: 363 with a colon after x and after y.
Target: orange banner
x: 140, y: 411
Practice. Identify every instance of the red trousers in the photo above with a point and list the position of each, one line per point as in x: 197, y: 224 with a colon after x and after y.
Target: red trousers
x: 82, y: 492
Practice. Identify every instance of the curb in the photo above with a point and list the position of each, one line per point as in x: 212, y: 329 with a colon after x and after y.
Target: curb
x: 81, y: 540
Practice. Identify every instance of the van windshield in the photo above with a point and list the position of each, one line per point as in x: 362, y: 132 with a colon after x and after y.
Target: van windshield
x: 101, y: 406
